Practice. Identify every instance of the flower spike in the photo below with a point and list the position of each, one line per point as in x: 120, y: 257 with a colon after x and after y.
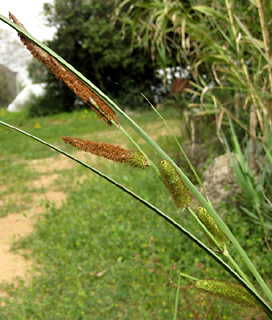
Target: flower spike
x: 83, y: 91
x: 109, y: 151
x: 227, y: 290
x: 212, y: 227
x: 173, y: 182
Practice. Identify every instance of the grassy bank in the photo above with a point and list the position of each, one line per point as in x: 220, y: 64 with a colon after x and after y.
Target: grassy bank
x: 102, y: 255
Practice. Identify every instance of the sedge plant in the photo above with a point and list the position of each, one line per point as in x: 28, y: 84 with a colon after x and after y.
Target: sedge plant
x: 241, y: 290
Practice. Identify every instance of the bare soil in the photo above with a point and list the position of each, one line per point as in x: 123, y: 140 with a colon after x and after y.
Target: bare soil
x: 18, y: 225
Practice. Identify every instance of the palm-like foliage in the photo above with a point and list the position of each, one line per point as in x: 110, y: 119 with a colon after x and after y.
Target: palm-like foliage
x: 224, y: 45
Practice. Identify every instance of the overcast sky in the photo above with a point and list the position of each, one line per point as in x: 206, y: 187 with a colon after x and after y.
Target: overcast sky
x: 30, y: 14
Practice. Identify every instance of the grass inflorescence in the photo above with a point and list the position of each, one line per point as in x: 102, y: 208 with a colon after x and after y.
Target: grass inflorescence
x: 73, y: 82
x: 109, y: 151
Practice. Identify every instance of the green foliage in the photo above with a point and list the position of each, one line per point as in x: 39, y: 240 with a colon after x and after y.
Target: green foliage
x: 254, y: 181
x: 95, y: 46
x: 223, y: 45
x: 52, y: 102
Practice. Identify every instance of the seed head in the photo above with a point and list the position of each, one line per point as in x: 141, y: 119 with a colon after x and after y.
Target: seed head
x: 227, y: 290
x: 83, y: 91
x: 109, y: 151
x: 212, y: 227
x: 173, y: 182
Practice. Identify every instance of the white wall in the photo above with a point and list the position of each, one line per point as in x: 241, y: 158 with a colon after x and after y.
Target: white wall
x: 31, y: 89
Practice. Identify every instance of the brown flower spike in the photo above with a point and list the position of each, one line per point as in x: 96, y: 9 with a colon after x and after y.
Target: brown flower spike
x: 73, y: 82
x: 109, y: 151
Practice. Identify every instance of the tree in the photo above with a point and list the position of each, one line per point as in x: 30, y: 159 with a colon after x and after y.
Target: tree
x: 93, y: 44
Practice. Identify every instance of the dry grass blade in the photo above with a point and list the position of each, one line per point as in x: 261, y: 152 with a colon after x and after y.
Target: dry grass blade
x: 252, y: 128
x: 268, y: 51
x: 219, y: 125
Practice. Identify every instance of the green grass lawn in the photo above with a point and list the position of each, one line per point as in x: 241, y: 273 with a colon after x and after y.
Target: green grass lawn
x: 102, y: 255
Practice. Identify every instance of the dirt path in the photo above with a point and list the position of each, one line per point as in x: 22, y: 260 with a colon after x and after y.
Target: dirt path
x: 16, y: 226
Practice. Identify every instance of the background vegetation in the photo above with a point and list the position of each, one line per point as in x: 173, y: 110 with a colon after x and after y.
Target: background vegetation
x: 88, y: 40
x: 226, y: 48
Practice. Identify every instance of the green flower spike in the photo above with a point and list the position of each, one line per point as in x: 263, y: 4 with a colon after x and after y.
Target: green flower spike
x: 212, y: 227
x: 227, y: 290
x: 173, y: 182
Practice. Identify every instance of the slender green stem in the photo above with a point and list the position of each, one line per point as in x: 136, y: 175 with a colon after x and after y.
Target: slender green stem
x: 253, y: 40
x: 179, y: 145
x: 262, y: 303
x: 224, y: 252
x: 184, y: 275
x: 177, y: 299
x: 238, y: 269
x: 231, y: 19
